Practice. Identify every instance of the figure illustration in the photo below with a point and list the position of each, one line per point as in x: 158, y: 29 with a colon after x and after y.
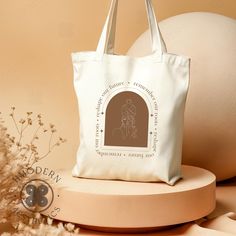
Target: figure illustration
x: 128, y: 128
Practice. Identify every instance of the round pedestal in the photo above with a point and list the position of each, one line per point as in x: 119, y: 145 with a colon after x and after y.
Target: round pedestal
x: 119, y: 206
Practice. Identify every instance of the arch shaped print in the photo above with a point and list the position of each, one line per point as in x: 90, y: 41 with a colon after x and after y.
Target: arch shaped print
x: 126, y: 121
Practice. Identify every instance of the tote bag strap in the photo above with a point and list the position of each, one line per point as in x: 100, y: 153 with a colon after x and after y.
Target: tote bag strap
x: 107, y: 39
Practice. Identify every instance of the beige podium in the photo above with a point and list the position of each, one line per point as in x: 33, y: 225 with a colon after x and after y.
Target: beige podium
x: 119, y: 206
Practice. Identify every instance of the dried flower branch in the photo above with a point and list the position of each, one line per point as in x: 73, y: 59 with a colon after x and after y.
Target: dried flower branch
x: 29, y: 152
x: 15, y: 155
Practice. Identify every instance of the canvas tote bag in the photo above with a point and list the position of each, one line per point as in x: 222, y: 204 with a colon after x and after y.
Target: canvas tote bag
x: 131, y: 109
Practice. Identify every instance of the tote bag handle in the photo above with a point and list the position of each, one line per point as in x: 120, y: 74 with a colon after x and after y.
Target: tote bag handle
x: 107, y: 39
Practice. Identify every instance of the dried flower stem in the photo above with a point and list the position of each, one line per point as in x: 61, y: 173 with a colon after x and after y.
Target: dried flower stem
x: 14, y: 121
x: 49, y: 147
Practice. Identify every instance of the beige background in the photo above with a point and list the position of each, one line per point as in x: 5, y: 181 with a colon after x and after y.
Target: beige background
x: 37, y: 38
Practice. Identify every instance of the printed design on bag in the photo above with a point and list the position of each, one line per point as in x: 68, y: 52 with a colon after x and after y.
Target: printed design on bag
x: 127, y: 129
x: 126, y: 121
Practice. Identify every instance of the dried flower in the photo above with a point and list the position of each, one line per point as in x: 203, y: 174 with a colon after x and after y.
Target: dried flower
x: 49, y: 221
x: 22, y: 121
x: 70, y: 227
x: 30, y: 122
x: 15, y: 156
x: 60, y: 226
x: 51, y: 126
x: 37, y: 215
x: 6, y: 234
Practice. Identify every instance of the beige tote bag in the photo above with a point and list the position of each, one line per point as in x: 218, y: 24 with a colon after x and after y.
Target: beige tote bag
x: 131, y: 109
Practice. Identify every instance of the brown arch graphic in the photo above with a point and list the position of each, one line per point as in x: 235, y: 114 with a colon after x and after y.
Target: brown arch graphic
x: 126, y: 121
